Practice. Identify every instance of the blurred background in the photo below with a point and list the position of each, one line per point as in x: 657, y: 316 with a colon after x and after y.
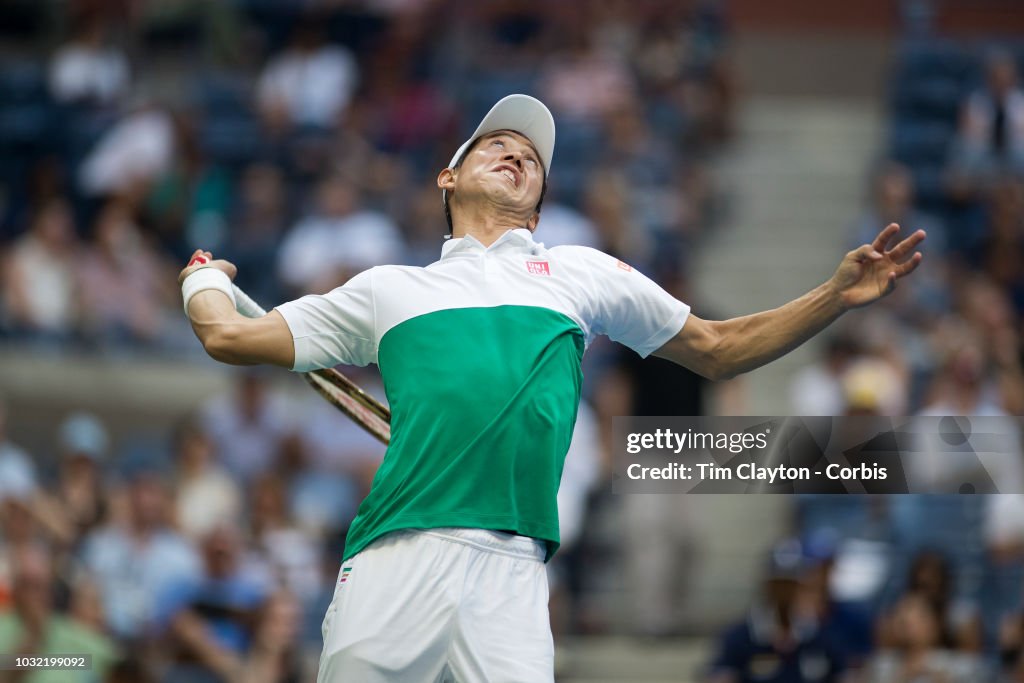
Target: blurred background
x: 181, y: 520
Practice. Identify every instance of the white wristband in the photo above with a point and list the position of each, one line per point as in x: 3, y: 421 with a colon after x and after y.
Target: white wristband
x: 203, y: 279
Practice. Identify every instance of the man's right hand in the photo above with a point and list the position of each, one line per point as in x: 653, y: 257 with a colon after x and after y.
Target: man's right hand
x: 230, y: 337
x: 204, y: 259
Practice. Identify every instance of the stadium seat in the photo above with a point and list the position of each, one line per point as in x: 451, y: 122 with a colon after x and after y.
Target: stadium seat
x: 223, y: 93
x: 22, y: 82
x: 917, y: 143
x: 231, y: 140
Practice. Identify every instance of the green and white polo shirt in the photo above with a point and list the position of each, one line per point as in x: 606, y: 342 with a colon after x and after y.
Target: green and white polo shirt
x: 480, y: 355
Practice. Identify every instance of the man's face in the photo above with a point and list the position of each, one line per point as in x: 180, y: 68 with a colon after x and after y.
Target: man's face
x: 504, y: 167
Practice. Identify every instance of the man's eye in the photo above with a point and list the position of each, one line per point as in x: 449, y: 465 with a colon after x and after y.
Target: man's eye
x: 499, y: 143
x: 532, y: 162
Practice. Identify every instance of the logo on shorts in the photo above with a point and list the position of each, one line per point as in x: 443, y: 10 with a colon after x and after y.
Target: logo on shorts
x: 345, y: 571
x: 538, y: 268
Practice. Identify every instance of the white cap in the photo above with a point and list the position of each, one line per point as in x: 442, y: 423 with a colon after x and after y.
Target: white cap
x: 525, y: 115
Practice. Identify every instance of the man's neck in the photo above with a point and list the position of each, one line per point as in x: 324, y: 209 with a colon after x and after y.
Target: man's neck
x: 486, y: 226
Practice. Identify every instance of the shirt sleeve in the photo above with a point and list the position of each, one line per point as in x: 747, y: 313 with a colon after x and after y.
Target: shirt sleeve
x: 629, y: 307
x: 337, y: 327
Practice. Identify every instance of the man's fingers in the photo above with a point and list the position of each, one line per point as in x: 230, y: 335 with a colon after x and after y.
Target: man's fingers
x: 910, y: 266
x: 884, y: 236
x: 907, y: 245
x: 203, y: 259
x: 866, y: 252
x: 200, y: 257
x: 228, y: 267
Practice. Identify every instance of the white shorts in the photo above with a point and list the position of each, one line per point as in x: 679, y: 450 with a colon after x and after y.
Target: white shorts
x: 439, y: 606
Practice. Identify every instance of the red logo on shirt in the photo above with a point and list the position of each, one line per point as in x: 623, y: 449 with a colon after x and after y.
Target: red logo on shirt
x: 624, y: 266
x: 538, y: 268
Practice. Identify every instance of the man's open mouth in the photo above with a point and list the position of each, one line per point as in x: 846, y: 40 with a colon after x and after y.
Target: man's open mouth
x: 509, y: 173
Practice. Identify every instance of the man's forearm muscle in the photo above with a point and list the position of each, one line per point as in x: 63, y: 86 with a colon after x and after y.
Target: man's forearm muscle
x: 726, y: 348
x: 232, y: 338
x: 719, y: 350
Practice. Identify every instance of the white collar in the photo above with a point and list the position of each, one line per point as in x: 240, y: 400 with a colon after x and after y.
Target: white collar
x: 520, y: 237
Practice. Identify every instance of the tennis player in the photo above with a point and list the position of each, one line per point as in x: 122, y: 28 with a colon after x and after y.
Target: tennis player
x: 443, y: 575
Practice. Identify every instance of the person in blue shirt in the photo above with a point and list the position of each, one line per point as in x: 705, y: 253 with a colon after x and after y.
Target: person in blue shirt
x: 779, y: 641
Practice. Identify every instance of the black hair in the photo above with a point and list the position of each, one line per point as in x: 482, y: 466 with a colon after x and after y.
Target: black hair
x: 458, y: 163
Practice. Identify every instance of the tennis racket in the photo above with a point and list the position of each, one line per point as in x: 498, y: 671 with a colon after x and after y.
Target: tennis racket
x: 339, y: 390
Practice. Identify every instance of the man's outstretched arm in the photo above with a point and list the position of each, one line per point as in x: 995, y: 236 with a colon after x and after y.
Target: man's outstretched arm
x: 230, y: 337
x: 724, y: 349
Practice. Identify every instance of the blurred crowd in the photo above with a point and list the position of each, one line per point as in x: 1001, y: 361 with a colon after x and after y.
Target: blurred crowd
x: 209, y: 555
x: 918, y: 587
x: 300, y: 141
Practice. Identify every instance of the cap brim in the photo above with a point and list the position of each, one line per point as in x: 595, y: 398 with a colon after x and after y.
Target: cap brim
x: 523, y: 114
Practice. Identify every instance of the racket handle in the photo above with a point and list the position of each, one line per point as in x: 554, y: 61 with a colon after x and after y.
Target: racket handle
x: 246, y: 306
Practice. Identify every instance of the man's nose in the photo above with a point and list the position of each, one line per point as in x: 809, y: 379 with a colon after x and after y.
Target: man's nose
x: 515, y: 157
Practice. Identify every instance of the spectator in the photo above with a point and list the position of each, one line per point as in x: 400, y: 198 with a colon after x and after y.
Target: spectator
x: 1003, y: 530
x: 918, y: 653
x: 872, y: 386
x: 133, y: 565
x: 309, y: 84
x: 83, y: 444
x: 18, y: 528
x: 892, y: 201
x: 258, y: 222
x: 780, y: 641
x: 847, y: 626
x: 991, y: 135
x: 579, y: 476
x: 26, y: 516
x: 565, y: 225
x: 88, y: 68
x: 39, y: 286
x: 291, y: 554
x: 337, y: 462
x: 337, y: 240
x: 277, y: 635
x: 205, y: 494
x: 931, y: 580
x: 187, y: 199
x: 1000, y: 253
x: 131, y: 155
x: 15, y: 464
x: 606, y: 203
x: 124, y: 294
x: 33, y: 628
x: 1011, y: 648
x: 584, y: 82
x: 212, y: 616
x: 423, y: 228
x: 632, y: 148
x: 247, y: 425
x: 817, y: 389
x: 992, y: 322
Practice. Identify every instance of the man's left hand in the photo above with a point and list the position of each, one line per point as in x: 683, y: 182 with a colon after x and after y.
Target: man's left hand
x: 870, y: 272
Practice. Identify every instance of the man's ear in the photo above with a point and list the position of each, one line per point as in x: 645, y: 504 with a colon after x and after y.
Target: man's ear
x: 531, y: 224
x: 446, y: 179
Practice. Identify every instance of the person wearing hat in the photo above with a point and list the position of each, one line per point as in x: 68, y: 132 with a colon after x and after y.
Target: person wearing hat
x: 780, y: 640
x: 443, y: 572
